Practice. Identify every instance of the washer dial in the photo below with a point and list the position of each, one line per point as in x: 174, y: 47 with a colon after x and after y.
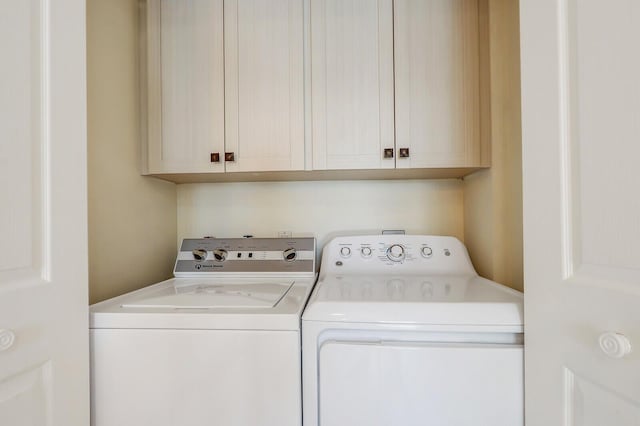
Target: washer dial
x: 366, y: 251
x: 345, y: 252
x: 395, y: 253
x: 220, y: 255
x: 289, y: 254
x: 426, y: 251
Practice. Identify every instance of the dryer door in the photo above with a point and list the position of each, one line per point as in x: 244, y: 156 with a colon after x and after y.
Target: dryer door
x: 417, y: 383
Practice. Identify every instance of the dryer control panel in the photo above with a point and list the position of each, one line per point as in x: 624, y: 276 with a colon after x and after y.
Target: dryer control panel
x: 212, y: 256
x: 396, y: 254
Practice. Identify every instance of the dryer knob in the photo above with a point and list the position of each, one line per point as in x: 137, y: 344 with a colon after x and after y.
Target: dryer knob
x: 345, y: 251
x: 366, y: 251
x: 426, y: 251
x: 289, y: 254
x: 220, y: 255
x: 395, y: 253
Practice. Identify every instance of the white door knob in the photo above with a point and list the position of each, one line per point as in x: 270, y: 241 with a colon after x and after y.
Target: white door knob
x: 614, y: 345
x: 6, y: 339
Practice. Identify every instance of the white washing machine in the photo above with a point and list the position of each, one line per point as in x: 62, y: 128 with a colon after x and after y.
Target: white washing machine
x: 400, y: 330
x: 217, y: 345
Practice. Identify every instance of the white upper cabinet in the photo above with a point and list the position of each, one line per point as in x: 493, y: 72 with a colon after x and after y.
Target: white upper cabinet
x: 292, y: 85
x: 436, y: 83
x: 420, y: 57
x: 225, y: 86
x: 264, y: 84
x: 352, y: 84
x: 185, y: 86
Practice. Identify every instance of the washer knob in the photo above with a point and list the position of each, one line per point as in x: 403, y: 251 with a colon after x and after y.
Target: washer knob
x: 426, y: 251
x: 345, y: 252
x: 366, y: 251
x: 220, y: 255
x: 289, y: 254
x: 395, y: 253
x: 200, y: 255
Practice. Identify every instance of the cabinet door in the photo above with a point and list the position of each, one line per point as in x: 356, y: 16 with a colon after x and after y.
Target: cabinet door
x: 352, y: 83
x: 436, y: 75
x: 264, y: 84
x: 185, y: 87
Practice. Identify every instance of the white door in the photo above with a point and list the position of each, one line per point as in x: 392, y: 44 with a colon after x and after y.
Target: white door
x: 581, y: 150
x: 43, y: 216
x: 352, y: 84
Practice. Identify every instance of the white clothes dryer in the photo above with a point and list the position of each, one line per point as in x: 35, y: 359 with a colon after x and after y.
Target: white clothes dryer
x: 219, y: 344
x: 400, y: 330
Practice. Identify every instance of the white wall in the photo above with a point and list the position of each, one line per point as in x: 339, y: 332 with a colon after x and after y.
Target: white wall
x: 132, y: 219
x: 322, y: 208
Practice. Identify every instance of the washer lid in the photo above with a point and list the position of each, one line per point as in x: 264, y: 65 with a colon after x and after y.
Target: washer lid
x: 230, y: 303
x: 207, y: 295
x: 418, y: 300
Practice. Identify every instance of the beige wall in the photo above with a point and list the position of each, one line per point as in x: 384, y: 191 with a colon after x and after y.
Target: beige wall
x: 133, y: 227
x: 324, y: 208
x: 493, y: 198
x: 132, y: 219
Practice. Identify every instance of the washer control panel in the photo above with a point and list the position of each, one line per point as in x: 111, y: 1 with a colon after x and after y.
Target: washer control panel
x: 201, y: 256
x: 396, y: 254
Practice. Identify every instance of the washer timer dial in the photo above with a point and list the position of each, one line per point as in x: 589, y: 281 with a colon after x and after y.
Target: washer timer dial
x: 289, y: 254
x: 395, y: 253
